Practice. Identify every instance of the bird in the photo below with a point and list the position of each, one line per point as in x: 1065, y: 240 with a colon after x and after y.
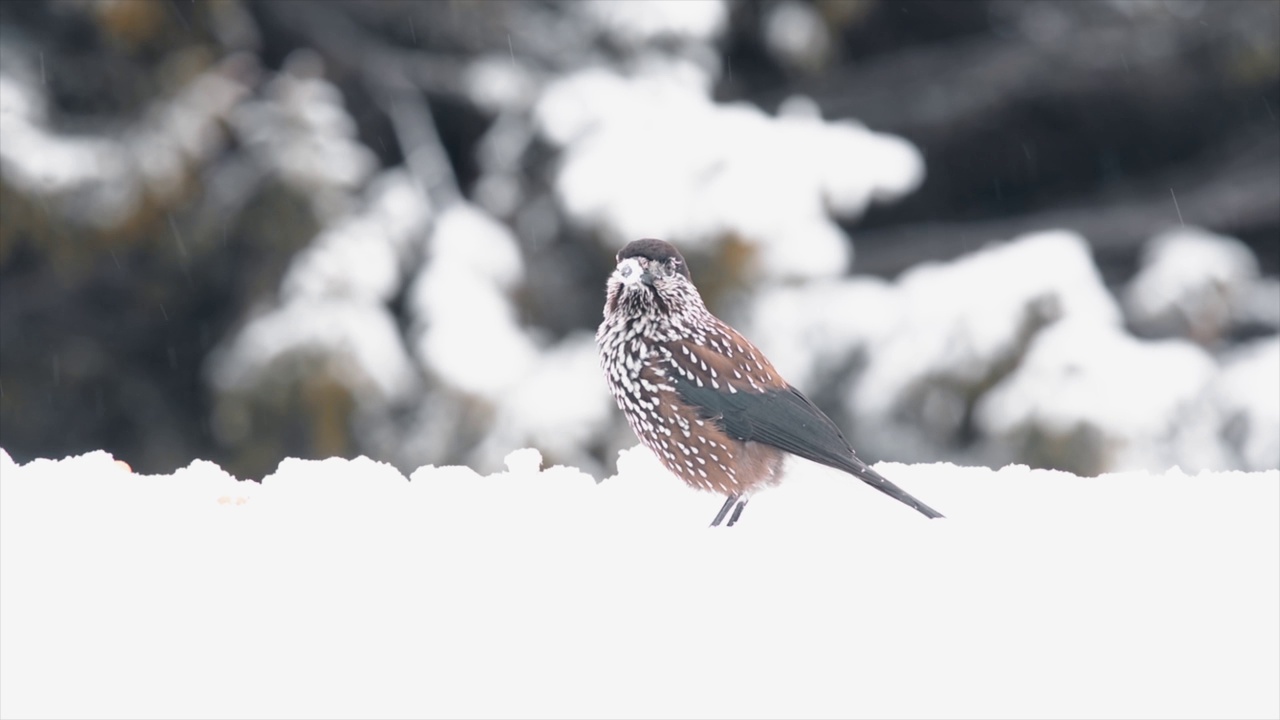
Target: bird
x: 701, y: 397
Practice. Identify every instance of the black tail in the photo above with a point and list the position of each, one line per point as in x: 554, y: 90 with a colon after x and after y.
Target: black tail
x: 787, y: 420
x: 863, y: 471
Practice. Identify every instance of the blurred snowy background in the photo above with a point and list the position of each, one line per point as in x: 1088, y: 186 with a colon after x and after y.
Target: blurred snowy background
x: 981, y: 232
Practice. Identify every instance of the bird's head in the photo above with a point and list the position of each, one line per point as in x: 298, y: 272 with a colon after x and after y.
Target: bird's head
x: 651, y: 276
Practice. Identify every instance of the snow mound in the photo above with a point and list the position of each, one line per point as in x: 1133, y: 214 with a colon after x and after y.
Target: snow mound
x: 1091, y: 391
x: 466, y: 330
x: 333, y: 305
x: 338, y: 588
x: 653, y: 156
x: 961, y: 325
x: 1193, y: 283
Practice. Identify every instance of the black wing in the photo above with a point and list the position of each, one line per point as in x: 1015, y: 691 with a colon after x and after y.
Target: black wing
x: 786, y: 419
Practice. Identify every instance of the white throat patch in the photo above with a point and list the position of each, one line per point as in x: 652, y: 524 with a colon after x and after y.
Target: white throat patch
x: 629, y: 271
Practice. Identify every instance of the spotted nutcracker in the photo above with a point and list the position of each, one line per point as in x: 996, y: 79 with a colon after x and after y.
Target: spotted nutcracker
x: 703, y: 398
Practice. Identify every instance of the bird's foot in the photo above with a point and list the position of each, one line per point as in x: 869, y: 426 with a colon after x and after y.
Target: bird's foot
x: 724, y: 510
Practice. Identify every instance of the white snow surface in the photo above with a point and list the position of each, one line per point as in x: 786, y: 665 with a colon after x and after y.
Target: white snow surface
x: 300, y: 128
x: 808, y: 331
x: 96, y: 181
x: 1240, y: 408
x: 1080, y: 376
x: 635, y: 23
x: 362, y: 256
x: 1192, y: 282
x: 474, y: 265
x: 654, y: 156
x: 954, y: 327
x: 560, y: 406
x: 357, y: 342
x: 337, y: 588
x: 333, y: 302
x: 796, y: 34
x: 962, y: 318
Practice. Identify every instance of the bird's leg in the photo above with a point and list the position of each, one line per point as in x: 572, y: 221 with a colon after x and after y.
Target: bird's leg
x: 728, y: 503
x: 737, y: 511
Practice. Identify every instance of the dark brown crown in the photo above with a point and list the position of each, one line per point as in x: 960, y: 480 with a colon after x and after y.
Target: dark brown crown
x: 657, y: 251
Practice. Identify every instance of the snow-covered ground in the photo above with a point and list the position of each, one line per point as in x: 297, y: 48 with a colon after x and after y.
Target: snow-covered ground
x: 338, y: 589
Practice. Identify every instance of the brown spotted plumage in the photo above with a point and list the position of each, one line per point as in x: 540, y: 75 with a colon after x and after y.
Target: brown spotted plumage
x: 701, y: 397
